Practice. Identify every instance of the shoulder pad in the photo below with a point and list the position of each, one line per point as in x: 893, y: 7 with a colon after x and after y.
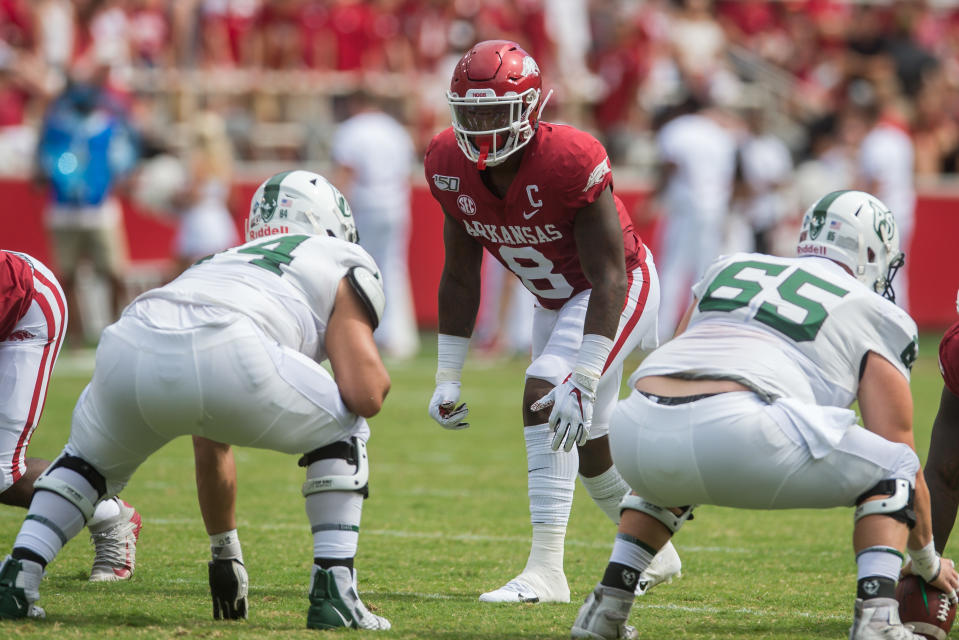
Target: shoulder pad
x: 369, y: 286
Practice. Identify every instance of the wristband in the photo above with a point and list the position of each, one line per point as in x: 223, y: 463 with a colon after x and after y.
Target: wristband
x: 450, y: 356
x: 593, y: 354
x: 926, y: 561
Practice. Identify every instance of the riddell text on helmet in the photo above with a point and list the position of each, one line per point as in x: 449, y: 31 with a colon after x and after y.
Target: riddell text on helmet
x: 268, y: 231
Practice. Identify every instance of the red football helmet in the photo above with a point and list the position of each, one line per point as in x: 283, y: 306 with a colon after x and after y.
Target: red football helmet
x: 493, y: 96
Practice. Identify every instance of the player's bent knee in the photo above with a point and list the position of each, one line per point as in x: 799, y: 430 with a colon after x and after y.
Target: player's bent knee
x: 319, y: 478
x: 48, y: 481
x: 898, y: 503
x: 669, y: 519
x: 550, y: 368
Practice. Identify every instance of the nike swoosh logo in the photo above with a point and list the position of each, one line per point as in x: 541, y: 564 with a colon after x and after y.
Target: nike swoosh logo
x: 527, y: 216
x: 536, y: 469
x: 346, y: 623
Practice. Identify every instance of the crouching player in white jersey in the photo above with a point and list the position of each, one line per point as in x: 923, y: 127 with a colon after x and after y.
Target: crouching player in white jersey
x: 230, y: 351
x: 747, y: 408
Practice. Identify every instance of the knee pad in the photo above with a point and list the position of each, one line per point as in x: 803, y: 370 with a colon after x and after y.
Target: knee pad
x: 354, y: 452
x: 47, y: 482
x: 897, y: 506
x: 669, y: 519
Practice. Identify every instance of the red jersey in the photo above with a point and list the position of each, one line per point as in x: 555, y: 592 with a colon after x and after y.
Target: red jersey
x: 16, y: 291
x: 949, y: 358
x: 530, y: 230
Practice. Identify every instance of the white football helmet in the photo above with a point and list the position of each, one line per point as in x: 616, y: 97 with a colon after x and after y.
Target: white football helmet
x: 858, y: 231
x: 300, y: 202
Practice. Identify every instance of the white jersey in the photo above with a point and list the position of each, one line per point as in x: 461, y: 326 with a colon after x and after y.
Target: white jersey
x: 286, y: 283
x: 786, y: 327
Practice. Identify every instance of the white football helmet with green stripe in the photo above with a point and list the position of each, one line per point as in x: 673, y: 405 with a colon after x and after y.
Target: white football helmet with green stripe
x: 858, y: 231
x: 300, y: 202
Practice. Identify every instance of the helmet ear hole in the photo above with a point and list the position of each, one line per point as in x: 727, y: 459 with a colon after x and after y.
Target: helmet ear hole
x: 870, y: 255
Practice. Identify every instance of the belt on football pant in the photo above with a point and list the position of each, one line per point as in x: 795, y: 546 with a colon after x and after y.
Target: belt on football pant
x: 674, y: 400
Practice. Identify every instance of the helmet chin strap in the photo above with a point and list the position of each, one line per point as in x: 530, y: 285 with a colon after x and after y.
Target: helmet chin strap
x: 484, y: 151
x: 543, y: 104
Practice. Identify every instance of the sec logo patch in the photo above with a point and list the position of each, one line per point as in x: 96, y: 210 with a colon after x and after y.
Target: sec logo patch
x: 466, y: 204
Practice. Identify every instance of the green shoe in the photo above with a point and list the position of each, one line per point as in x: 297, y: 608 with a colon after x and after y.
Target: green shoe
x: 335, y: 603
x: 15, y: 580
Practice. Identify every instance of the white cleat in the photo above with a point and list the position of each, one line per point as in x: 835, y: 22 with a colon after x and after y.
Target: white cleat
x: 878, y: 619
x: 603, y: 616
x: 115, y: 542
x: 531, y: 588
x: 665, y: 566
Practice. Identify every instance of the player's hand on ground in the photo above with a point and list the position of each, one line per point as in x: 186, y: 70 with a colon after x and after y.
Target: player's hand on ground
x: 228, y: 587
x: 444, y: 408
x: 572, y: 412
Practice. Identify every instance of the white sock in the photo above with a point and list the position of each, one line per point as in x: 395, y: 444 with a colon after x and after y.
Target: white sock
x: 226, y: 546
x: 607, y: 490
x: 546, y: 552
x: 334, y: 515
x: 52, y: 519
x: 552, y: 477
x: 107, y: 509
x: 879, y: 561
x: 629, y: 551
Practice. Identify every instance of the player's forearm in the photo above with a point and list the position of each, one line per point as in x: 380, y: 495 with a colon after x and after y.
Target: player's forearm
x: 921, y: 534
x: 605, y: 306
x: 458, y: 306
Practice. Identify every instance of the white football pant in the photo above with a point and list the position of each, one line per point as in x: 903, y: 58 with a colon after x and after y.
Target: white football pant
x: 733, y: 450
x: 224, y: 380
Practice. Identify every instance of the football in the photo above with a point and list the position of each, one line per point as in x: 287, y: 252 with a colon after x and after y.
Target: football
x: 924, y: 608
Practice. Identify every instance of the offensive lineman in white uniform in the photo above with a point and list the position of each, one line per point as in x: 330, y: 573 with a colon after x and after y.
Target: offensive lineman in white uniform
x: 747, y: 408
x: 230, y: 351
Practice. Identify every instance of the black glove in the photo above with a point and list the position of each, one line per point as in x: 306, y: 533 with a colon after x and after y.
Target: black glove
x: 228, y: 586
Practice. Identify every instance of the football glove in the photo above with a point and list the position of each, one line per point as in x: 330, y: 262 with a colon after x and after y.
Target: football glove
x: 572, y: 413
x: 443, y: 407
x: 228, y: 586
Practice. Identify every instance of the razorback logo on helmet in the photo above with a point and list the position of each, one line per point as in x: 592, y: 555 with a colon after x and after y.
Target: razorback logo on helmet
x: 599, y: 172
x: 530, y: 67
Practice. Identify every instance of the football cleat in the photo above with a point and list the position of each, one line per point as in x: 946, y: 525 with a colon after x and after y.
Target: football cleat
x: 20, y: 589
x: 878, y: 619
x: 531, y: 587
x: 115, y: 541
x: 228, y: 587
x: 665, y: 566
x: 334, y: 602
x: 603, y: 615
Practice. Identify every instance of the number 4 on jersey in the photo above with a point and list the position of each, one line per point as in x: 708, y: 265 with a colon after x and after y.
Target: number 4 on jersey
x: 274, y: 253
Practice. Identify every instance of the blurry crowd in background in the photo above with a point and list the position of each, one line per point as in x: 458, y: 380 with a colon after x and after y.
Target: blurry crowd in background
x: 737, y: 113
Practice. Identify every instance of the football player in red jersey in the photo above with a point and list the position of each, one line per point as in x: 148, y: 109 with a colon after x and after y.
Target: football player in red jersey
x: 33, y: 319
x: 539, y: 198
x: 942, y: 465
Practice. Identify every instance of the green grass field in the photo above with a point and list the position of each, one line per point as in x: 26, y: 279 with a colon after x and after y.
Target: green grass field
x: 447, y: 519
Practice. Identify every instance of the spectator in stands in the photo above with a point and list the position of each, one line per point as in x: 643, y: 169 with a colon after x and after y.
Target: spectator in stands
x: 764, y: 170
x: 886, y: 165
x: 695, y: 170
x: 380, y: 195
x: 86, y: 149
x: 206, y: 225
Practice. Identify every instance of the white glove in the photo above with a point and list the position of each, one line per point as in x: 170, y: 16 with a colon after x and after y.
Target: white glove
x: 443, y: 406
x: 572, y: 413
